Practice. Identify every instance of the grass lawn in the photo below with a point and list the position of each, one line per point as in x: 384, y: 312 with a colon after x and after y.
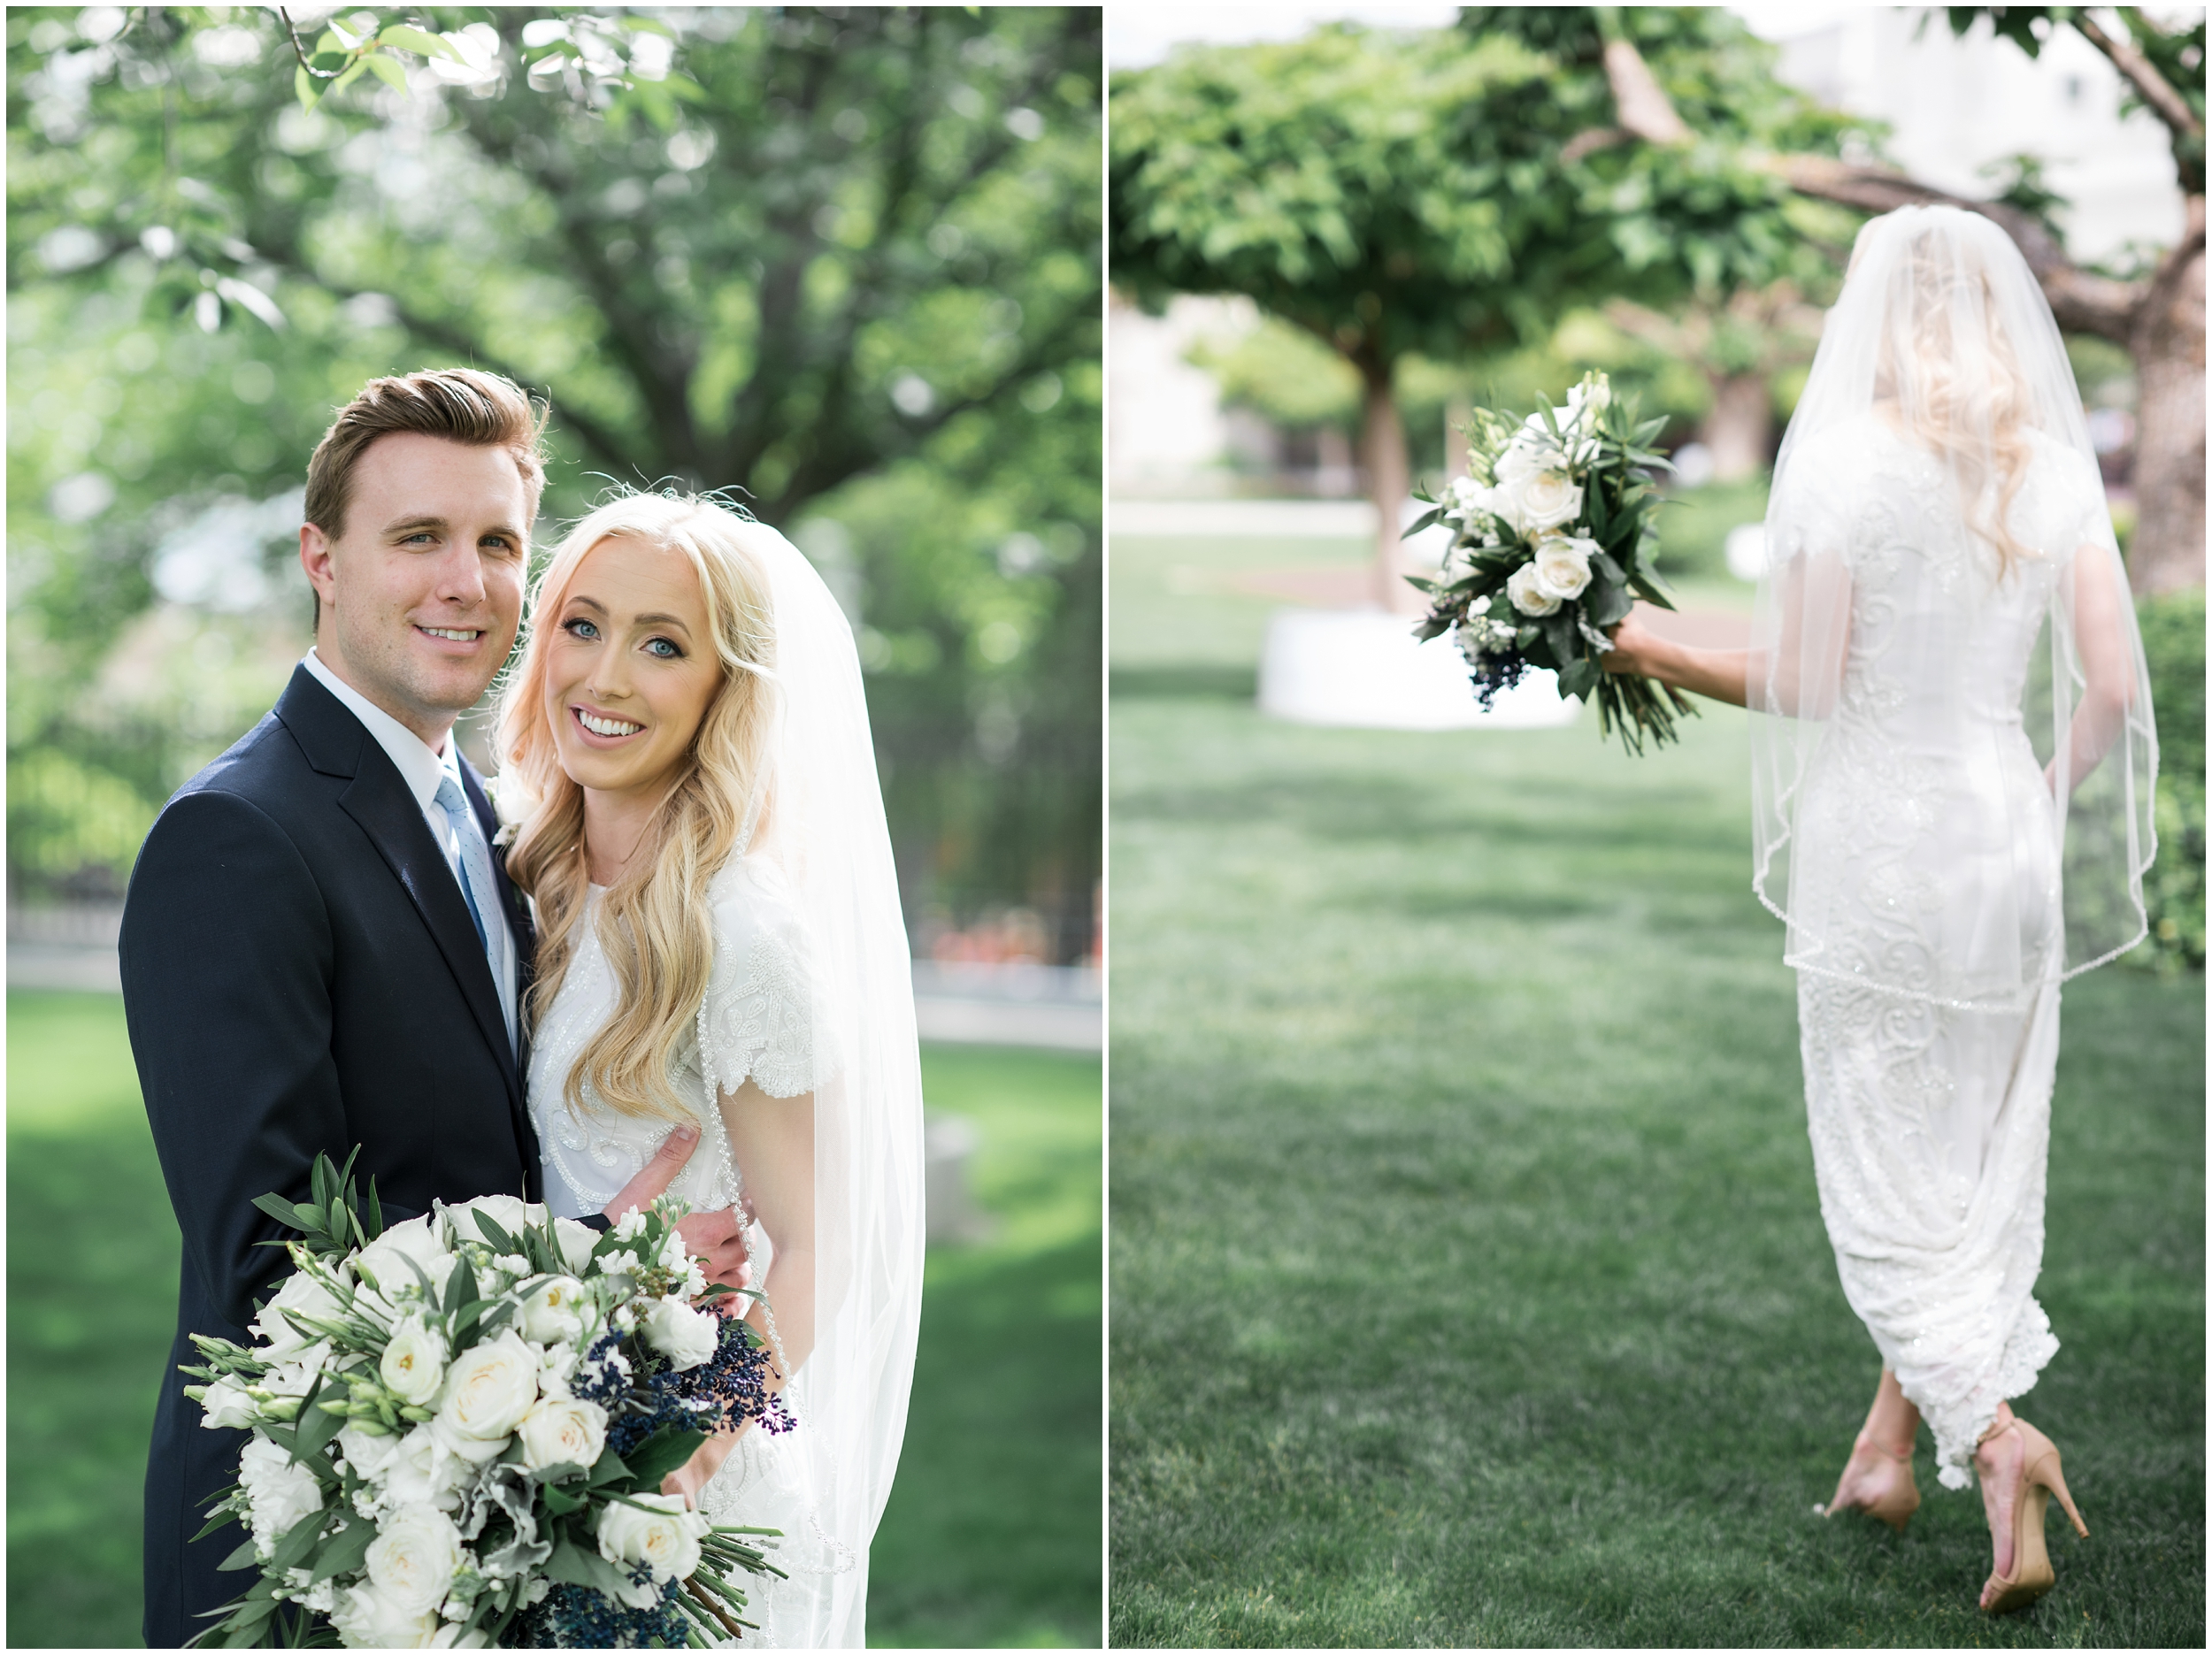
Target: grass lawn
x: 1469, y: 1280
x: 991, y: 1534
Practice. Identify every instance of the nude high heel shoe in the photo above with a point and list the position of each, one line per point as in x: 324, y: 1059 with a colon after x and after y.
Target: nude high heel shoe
x: 2031, y: 1574
x: 1899, y: 1499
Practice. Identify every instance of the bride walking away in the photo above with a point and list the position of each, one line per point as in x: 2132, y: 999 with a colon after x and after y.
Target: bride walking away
x: 1953, y: 757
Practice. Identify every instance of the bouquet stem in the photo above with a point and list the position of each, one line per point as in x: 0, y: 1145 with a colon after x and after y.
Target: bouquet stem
x: 1636, y: 708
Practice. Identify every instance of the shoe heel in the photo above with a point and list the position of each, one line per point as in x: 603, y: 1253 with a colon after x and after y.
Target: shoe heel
x: 2047, y: 1473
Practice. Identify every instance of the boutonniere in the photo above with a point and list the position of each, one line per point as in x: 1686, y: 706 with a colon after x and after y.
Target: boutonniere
x: 507, y: 804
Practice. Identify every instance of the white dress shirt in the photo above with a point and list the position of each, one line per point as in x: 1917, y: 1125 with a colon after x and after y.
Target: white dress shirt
x: 422, y: 768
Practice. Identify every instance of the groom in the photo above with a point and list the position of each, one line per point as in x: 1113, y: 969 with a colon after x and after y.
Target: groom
x: 319, y: 948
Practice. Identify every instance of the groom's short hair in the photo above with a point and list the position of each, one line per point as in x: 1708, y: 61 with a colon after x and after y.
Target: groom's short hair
x: 484, y: 410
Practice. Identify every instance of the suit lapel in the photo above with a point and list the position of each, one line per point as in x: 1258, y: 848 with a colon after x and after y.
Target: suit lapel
x: 336, y: 744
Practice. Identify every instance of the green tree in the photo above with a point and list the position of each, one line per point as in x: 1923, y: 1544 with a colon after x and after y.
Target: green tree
x: 1449, y: 194
x: 843, y: 261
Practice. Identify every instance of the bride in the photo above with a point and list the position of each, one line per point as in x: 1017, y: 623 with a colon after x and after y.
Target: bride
x: 1952, y: 763
x: 702, y: 833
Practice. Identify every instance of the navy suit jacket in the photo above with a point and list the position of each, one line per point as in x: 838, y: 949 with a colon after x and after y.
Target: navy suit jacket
x: 301, y: 974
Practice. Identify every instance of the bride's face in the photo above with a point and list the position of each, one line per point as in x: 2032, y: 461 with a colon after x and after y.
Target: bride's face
x: 630, y: 667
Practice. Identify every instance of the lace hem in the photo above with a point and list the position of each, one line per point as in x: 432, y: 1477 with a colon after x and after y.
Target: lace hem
x: 1959, y: 1421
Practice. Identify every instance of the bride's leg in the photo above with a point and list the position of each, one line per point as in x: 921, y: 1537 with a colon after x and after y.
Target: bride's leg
x: 1876, y: 1476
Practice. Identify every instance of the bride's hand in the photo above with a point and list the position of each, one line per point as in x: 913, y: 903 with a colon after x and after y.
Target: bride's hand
x: 688, y: 1479
x: 1632, y: 649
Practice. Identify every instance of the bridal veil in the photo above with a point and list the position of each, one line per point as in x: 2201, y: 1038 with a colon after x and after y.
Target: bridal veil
x: 1935, y: 498
x: 820, y: 819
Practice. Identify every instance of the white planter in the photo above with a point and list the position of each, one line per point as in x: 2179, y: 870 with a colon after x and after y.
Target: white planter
x: 1361, y: 669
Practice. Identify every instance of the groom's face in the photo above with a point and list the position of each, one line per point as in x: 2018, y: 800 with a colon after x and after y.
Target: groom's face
x: 421, y: 589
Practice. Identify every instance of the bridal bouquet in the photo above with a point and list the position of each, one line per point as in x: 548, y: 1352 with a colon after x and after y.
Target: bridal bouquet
x: 460, y: 1427
x: 1549, y: 549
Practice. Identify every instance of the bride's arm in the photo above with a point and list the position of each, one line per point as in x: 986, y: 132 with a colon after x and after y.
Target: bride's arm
x: 772, y: 1139
x: 2107, y: 663
x: 1814, y: 602
x: 1721, y: 674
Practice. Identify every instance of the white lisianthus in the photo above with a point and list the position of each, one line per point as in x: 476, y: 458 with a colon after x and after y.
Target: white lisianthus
x: 1469, y: 503
x: 224, y: 1405
x: 1562, y: 564
x: 563, y: 1430
x: 665, y: 1538
x: 577, y: 1241
x: 488, y: 1390
x: 1591, y: 398
x: 675, y: 1253
x: 413, y: 1365
x: 414, y: 1557
x: 686, y: 1337
x: 1527, y: 592
x: 281, y: 1492
x: 624, y: 1263
x: 424, y: 1472
x: 549, y: 1314
x: 557, y: 1369
x: 371, y: 1620
x: 367, y: 1455
x: 301, y: 1292
x: 631, y: 1225
x: 417, y: 1239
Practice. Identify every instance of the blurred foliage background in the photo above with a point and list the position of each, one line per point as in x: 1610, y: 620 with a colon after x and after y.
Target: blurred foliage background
x: 844, y: 261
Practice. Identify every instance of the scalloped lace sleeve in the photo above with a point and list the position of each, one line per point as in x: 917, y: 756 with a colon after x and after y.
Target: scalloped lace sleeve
x: 759, y: 1021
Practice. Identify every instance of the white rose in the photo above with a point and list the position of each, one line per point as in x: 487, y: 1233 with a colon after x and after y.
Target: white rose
x: 1528, y: 593
x: 1562, y: 564
x: 414, y: 1557
x: 665, y: 1538
x: 371, y: 1620
x: 386, y: 1258
x: 367, y: 1455
x: 281, y: 1492
x: 301, y: 1292
x: 413, y: 1365
x: 685, y: 1336
x: 549, y: 1314
x: 511, y: 1212
x: 224, y: 1405
x: 1546, y: 500
x: 577, y: 1241
x: 563, y: 1430
x: 488, y: 1390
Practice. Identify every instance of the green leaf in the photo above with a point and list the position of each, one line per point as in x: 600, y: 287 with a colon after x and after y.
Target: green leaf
x: 572, y: 1565
x: 502, y: 1242
x: 460, y: 1287
x: 350, y: 75
x: 330, y: 55
x: 347, y: 1548
x: 560, y: 1502
x: 609, y: 1468
x: 297, y: 1539
x: 387, y: 70
x: 1426, y: 520
x: 660, y: 1454
x: 415, y: 40
x: 310, y: 1218
x: 316, y: 1430
x: 240, y: 1558
x: 277, y: 1207
x: 1579, y: 679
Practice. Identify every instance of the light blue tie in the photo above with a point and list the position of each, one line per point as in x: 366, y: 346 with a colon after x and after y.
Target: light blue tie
x: 477, y: 885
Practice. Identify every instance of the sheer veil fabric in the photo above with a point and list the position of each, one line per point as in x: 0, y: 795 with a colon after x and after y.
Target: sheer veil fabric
x: 1952, y: 761
x: 819, y: 823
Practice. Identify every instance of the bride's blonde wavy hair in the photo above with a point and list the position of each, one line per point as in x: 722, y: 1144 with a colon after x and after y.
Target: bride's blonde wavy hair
x: 654, y: 922
x: 1974, y: 421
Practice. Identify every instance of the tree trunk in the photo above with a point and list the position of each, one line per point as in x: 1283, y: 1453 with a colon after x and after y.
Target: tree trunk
x: 2167, y: 342
x: 1741, y: 428
x: 1382, y: 452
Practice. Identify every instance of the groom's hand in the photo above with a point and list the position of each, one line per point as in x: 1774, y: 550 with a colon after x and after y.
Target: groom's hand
x: 654, y: 1177
x: 719, y: 1239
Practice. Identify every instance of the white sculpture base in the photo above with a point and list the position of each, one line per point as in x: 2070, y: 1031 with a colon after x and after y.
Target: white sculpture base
x: 1361, y: 669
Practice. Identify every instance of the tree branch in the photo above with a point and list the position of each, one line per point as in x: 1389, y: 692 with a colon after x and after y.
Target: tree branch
x: 2081, y: 302
x: 1643, y: 106
x: 2154, y: 90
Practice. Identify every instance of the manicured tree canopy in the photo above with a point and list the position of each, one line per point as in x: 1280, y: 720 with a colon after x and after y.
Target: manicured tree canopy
x: 1450, y: 191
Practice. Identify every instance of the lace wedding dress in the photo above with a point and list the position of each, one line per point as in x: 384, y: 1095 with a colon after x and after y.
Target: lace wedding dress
x: 1927, y: 855
x: 756, y: 1024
